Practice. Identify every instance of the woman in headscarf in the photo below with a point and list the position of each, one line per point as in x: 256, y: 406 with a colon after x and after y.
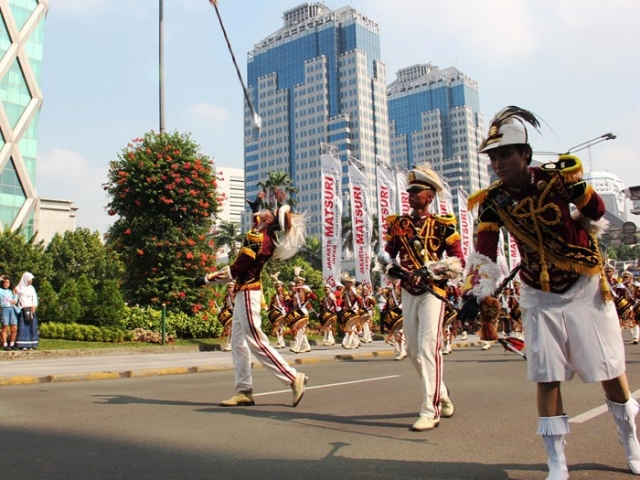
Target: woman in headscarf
x: 27, y: 321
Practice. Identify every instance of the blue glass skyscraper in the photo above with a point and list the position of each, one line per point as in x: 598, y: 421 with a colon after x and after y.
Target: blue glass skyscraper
x: 318, y: 79
x: 434, y: 116
x: 21, y: 53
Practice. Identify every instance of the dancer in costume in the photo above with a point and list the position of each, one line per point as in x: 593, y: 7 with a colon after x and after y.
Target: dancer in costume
x: 277, y: 235
x: 350, y: 313
x: 329, y: 310
x: 302, y: 295
x: 570, y: 322
x: 278, y: 309
x: 366, y: 314
x: 392, y: 315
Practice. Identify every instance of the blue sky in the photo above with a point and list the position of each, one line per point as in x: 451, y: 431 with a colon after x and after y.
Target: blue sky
x: 574, y: 63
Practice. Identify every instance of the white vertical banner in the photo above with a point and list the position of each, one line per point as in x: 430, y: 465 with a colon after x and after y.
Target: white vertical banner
x: 403, y: 196
x: 387, y: 204
x: 465, y: 221
x: 501, y: 258
x: 445, y: 199
x: 331, y: 178
x: 514, y: 253
x: 361, y: 221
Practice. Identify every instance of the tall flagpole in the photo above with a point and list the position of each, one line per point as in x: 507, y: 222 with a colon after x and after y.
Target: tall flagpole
x: 161, y: 62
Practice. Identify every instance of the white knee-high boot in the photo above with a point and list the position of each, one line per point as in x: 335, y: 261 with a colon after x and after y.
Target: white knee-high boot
x: 553, y: 431
x: 624, y: 415
x: 635, y: 334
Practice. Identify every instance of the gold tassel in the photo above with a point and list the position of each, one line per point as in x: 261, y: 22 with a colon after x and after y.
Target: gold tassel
x: 453, y: 238
x: 544, y: 279
x: 605, y: 290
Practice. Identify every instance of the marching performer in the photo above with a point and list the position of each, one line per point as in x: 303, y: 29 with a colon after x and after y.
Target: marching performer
x: 351, y: 305
x: 278, y: 309
x: 366, y: 314
x: 228, y: 304
x: 330, y: 305
x: 628, y: 291
x: 393, y: 298
x: 420, y: 240
x: 570, y: 322
x: 451, y: 330
x: 302, y: 294
x: 279, y: 235
x: 514, y: 311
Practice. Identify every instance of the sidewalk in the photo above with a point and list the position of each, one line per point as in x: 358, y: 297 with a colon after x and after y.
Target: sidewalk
x: 48, y: 366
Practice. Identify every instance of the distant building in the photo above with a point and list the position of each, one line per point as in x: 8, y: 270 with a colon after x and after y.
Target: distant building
x: 611, y: 189
x: 54, y: 216
x: 231, y: 187
x: 318, y: 79
x: 434, y: 116
x: 21, y: 54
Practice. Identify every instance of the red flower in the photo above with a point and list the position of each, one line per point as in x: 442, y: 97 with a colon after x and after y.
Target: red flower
x: 127, y: 231
x: 140, y: 252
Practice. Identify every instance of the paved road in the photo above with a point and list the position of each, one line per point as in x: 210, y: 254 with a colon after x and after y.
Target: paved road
x: 353, y: 423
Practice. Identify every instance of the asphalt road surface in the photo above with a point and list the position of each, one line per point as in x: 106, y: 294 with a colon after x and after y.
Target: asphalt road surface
x: 353, y: 423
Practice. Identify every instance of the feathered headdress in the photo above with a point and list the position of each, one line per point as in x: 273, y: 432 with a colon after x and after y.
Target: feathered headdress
x: 292, y: 235
x: 297, y: 271
x: 274, y: 277
x: 508, y: 128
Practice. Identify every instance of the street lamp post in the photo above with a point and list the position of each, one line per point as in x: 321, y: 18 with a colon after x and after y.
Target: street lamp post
x: 161, y: 62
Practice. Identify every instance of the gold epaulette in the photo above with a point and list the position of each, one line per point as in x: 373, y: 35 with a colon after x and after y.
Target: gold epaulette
x: 248, y: 252
x: 390, y: 219
x: 446, y: 218
x: 451, y: 239
x: 584, y: 199
x: 477, y: 198
x: 569, y: 166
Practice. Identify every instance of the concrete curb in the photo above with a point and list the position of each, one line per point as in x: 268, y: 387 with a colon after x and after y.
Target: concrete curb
x: 155, y: 372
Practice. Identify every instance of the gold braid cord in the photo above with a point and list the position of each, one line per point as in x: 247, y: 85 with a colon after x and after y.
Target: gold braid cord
x: 528, y: 219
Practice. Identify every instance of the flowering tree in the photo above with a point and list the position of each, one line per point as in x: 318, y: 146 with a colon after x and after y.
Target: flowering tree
x: 163, y: 191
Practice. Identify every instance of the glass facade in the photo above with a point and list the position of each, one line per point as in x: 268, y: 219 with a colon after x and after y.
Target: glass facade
x: 20, y: 97
x: 319, y: 79
x: 434, y: 117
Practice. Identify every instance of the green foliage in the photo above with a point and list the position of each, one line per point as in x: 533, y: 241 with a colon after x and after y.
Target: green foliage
x: 178, y: 324
x: 18, y: 255
x: 68, y: 306
x: 110, y: 307
x: 79, y: 253
x: 163, y: 191
x: 228, y: 234
x: 86, y: 333
x: 47, y: 301
x: 86, y: 296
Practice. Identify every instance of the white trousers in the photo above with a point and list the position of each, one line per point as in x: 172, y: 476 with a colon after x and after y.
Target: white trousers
x: 422, y: 327
x: 301, y: 340
x: 247, y: 338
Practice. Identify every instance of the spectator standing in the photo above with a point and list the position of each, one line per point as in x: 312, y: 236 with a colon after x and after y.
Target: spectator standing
x: 27, y: 321
x: 9, y: 316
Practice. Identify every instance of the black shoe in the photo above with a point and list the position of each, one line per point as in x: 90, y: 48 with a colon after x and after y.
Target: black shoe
x: 7, y: 348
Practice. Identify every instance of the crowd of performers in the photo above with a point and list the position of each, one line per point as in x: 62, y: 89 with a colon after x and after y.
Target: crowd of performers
x: 569, y: 306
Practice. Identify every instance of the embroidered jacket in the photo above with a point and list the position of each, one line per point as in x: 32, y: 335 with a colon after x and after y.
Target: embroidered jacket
x: 257, y: 248
x: 419, y: 240
x: 555, y: 248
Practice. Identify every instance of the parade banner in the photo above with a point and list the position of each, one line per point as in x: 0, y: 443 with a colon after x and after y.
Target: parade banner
x: 403, y: 196
x: 387, y: 203
x: 331, y: 181
x: 501, y: 258
x: 465, y: 222
x: 445, y: 199
x: 514, y: 253
x: 361, y: 222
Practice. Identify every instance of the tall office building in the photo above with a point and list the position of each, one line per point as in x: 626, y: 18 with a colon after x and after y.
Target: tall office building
x: 434, y: 116
x: 231, y: 187
x: 21, y: 53
x: 318, y: 79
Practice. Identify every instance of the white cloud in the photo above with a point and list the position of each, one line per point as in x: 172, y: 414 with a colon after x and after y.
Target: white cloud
x: 67, y: 175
